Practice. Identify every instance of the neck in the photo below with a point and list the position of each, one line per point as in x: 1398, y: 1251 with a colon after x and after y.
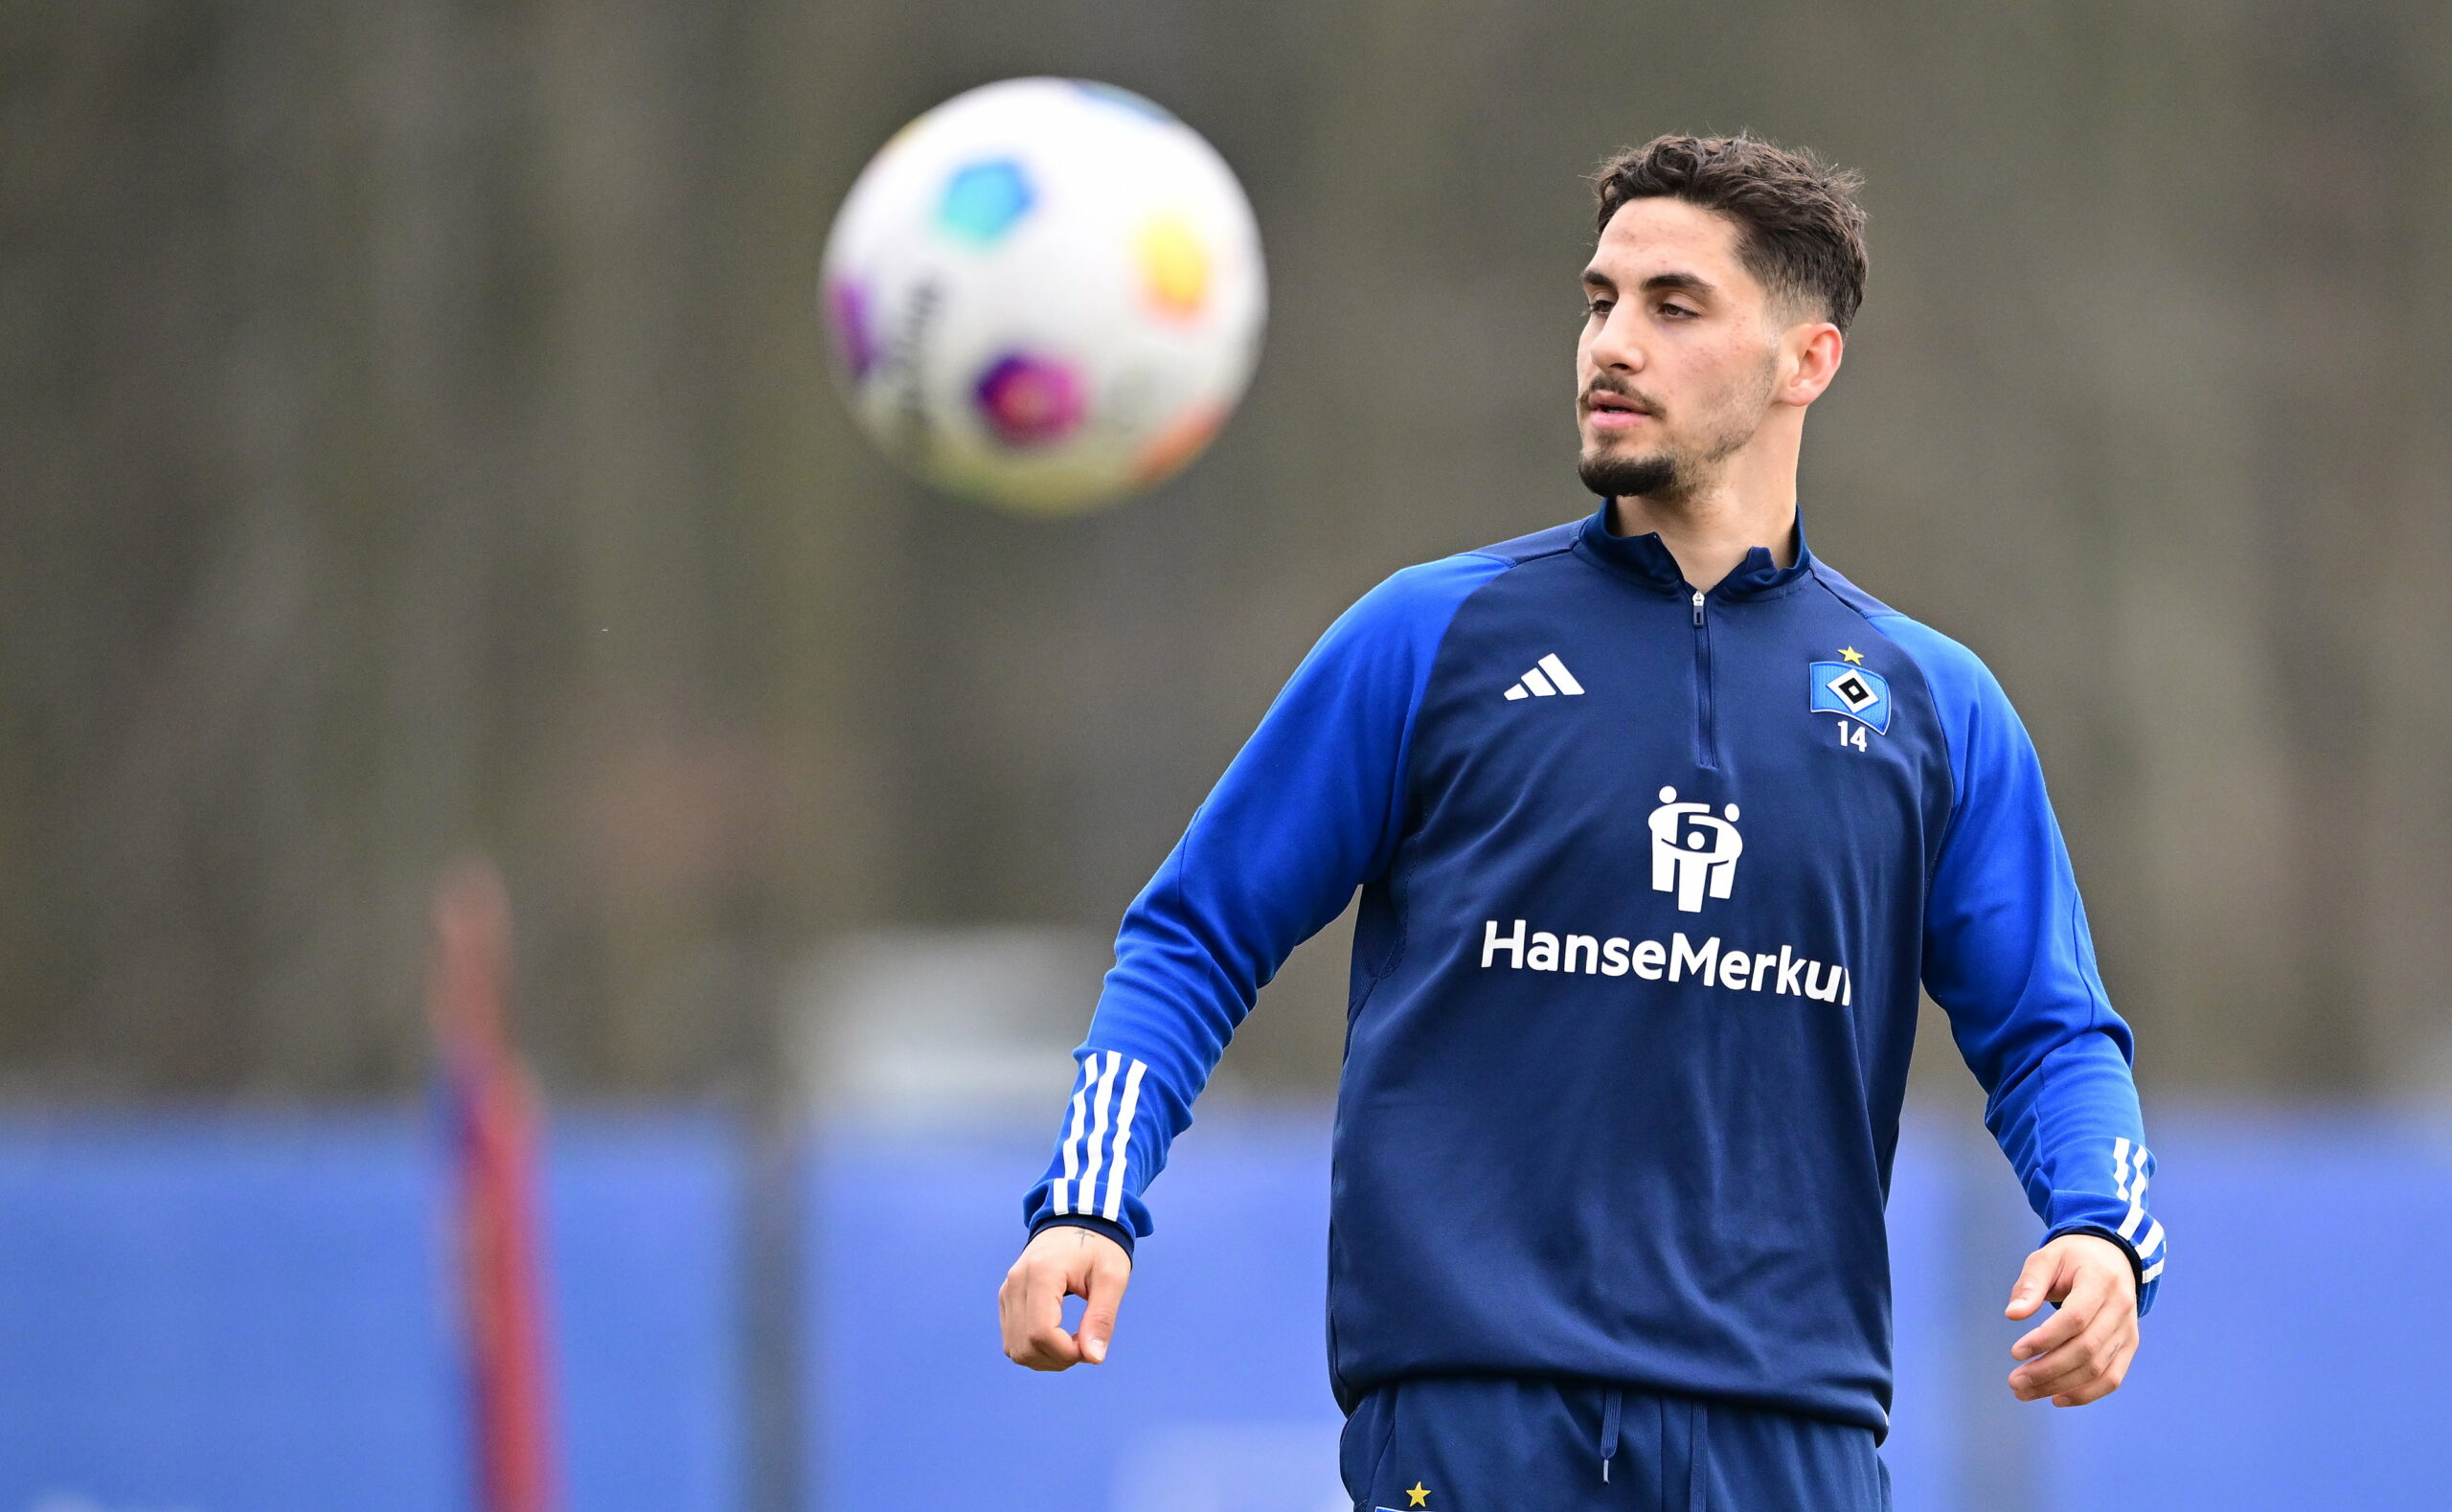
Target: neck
x: 1750, y: 502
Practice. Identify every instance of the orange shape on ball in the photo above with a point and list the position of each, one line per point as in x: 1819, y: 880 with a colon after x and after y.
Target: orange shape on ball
x: 1175, y: 266
x: 1177, y: 443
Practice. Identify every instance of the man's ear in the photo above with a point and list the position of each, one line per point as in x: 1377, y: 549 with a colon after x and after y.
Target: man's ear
x: 1814, y: 348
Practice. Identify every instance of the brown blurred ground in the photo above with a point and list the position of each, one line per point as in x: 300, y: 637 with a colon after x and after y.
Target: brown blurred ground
x: 415, y: 437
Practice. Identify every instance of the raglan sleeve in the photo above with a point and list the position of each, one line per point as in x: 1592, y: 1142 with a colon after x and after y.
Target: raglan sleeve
x: 1310, y: 809
x: 2007, y: 955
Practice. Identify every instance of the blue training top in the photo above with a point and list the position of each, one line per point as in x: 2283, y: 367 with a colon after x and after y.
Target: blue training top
x: 1650, y: 879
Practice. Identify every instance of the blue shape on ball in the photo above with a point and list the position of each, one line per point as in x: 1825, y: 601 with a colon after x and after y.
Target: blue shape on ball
x: 1124, y: 100
x: 984, y: 199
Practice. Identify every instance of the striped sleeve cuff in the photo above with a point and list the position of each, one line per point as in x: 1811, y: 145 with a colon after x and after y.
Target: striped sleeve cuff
x: 1097, y: 1151
x: 1111, y: 1140
x: 2138, y: 1234
x: 2132, y: 1167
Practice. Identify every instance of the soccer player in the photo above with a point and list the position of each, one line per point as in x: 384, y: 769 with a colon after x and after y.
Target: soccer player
x: 1658, y: 824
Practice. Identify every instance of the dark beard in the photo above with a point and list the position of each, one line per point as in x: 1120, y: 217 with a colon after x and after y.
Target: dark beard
x: 1629, y: 477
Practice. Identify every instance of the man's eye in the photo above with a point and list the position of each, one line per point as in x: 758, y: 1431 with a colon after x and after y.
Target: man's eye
x: 1598, y: 308
x: 1676, y: 311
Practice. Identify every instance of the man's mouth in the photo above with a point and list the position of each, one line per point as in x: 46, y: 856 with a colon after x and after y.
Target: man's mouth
x: 1608, y: 412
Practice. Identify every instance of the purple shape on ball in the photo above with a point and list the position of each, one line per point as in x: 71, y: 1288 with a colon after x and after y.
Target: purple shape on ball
x: 846, y: 308
x: 1029, y: 400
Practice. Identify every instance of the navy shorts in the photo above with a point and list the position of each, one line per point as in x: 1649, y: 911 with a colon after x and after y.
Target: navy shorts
x: 1486, y: 1444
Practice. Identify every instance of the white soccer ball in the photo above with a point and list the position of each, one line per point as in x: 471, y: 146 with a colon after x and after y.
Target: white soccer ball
x: 1045, y: 294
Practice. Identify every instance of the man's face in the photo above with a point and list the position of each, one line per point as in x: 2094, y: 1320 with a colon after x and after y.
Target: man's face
x: 1679, y: 354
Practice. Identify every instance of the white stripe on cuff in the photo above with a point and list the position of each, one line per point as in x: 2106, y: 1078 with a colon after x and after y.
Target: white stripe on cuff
x: 1122, y: 1141
x: 2136, y: 1199
x: 1088, y: 1191
x: 1073, y: 1140
x: 2153, y: 1241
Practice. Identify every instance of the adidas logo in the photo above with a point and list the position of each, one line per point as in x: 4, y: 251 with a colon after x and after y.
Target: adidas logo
x: 1549, y: 676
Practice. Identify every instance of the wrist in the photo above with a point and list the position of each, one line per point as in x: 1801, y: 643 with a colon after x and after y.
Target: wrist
x: 1108, y: 1228
x: 2111, y: 1236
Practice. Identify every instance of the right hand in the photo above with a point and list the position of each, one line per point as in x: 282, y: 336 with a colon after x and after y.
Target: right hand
x: 1059, y: 1262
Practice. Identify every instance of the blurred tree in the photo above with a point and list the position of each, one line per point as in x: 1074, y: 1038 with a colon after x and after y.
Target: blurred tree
x: 415, y: 437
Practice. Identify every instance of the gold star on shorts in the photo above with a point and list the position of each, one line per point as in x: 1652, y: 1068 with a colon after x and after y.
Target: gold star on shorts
x: 1851, y: 656
x: 1421, y: 1496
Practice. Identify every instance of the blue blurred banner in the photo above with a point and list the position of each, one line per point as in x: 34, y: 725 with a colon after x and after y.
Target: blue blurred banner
x: 2291, y: 1361
x: 2289, y: 1366
x: 1216, y: 1398
x: 251, y: 1313
x: 1216, y: 1395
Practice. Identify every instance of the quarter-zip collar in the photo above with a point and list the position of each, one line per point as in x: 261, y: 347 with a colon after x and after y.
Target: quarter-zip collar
x: 1645, y: 559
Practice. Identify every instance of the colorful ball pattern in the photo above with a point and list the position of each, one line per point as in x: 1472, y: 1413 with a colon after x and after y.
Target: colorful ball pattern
x: 846, y: 305
x: 1175, y: 266
x: 1030, y: 402
x: 1045, y: 294
x: 984, y: 199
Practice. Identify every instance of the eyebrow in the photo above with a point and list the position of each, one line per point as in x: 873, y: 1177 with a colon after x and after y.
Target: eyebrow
x: 1658, y: 283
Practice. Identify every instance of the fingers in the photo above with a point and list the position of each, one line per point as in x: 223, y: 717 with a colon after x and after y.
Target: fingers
x: 2076, y: 1309
x: 1062, y: 1262
x: 2034, y: 1284
x: 1030, y: 1307
x: 1109, y: 1275
x: 2082, y: 1354
x: 2103, y: 1384
x: 2086, y: 1368
x: 2070, y: 1364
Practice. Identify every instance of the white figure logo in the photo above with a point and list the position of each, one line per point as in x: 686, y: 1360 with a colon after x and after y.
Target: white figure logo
x: 1680, y: 863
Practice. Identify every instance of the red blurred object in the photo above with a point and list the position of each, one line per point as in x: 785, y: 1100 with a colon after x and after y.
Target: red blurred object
x: 489, y: 1110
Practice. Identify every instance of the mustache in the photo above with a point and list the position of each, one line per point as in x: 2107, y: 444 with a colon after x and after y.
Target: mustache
x: 1624, y: 391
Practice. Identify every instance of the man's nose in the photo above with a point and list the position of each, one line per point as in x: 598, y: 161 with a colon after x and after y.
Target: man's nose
x: 1617, y: 344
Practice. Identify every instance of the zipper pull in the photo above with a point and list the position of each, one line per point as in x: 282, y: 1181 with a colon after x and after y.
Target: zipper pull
x: 1698, y: 606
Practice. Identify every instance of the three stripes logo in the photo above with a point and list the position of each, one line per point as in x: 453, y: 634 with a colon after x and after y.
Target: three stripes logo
x: 1098, y: 1142
x: 2130, y: 1167
x: 1548, y: 678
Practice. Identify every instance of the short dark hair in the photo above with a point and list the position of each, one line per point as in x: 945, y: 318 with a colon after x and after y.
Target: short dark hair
x: 1802, y: 232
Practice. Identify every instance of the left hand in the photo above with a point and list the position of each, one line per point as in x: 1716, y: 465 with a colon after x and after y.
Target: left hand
x: 2081, y: 1352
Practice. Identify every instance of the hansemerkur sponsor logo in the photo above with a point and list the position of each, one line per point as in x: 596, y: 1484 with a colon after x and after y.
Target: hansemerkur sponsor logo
x: 1695, y: 855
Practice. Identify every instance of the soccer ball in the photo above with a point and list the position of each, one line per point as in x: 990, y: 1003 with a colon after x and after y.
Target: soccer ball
x: 1045, y: 294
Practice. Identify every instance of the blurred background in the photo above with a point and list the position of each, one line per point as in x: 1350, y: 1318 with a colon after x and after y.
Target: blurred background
x: 417, y: 440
